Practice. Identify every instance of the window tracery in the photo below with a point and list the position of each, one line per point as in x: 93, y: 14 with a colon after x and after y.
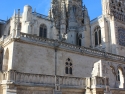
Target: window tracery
x: 68, y: 66
x: 74, y: 8
x: 79, y: 39
x: 97, y: 33
x: 121, y: 36
x: 120, y: 75
x: 9, y: 30
x: 43, y: 31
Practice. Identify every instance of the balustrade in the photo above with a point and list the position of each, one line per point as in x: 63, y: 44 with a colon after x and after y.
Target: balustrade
x: 39, y: 79
x: 18, y: 77
x: 97, y: 82
x: 41, y: 15
x: 71, y: 81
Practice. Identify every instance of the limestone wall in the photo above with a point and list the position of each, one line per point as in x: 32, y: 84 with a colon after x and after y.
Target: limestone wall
x: 41, y: 60
x: 82, y: 65
x: 29, y: 58
x: 33, y: 59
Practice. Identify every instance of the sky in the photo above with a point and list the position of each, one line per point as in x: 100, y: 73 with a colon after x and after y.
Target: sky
x: 7, y: 7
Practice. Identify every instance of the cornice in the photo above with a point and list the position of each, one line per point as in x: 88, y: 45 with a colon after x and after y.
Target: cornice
x: 62, y: 46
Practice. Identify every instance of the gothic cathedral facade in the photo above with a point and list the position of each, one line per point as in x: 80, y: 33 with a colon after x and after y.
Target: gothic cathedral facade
x: 64, y: 52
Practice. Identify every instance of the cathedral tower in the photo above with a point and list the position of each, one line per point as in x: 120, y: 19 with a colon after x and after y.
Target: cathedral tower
x: 114, y: 12
x: 72, y: 20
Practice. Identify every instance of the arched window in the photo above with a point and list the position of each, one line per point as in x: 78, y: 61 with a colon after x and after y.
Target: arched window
x: 43, y: 31
x: 79, y: 39
x: 9, y: 30
x: 74, y: 8
x: 120, y: 77
x: 20, y: 26
x: 97, y: 32
x: 6, y: 60
x: 68, y: 66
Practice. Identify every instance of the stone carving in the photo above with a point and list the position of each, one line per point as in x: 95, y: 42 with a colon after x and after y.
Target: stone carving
x: 39, y: 79
x: 121, y: 36
x: 117, y: 9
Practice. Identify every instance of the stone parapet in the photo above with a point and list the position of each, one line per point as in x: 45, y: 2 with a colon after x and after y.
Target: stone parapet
x: 18, y: 78
x: 41, y: 16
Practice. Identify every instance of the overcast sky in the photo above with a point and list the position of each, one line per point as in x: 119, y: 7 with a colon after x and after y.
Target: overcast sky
x: 42, y: 6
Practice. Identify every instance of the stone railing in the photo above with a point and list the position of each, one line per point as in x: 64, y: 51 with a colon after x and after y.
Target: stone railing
x: 97, y: 82
x: 42, y: 80
x: 71, y: 81
x: 41, y: 15
x: 26, y: 78
x: 94, y: 20
x: 82, y: 50
x: 7, y: 37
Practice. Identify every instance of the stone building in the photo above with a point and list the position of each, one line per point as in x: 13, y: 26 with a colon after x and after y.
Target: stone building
x: 65, y: 52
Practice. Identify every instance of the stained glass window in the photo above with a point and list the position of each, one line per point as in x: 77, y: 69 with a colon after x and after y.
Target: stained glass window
x: 121, y: 36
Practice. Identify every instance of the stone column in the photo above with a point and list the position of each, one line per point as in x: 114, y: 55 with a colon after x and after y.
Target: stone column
x: 9, y: 89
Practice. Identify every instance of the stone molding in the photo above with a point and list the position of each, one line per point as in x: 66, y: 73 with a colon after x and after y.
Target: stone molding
x: 32, y: 39
x: 18, y: 78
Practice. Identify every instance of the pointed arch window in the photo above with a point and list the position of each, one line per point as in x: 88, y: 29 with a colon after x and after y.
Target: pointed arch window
x: 79, y: 39
x: 120, y: 77
x: 68, y: 66
x: 74, y: 8
x: 97, y: 33
x: 20, y: 26
x: 43, y: 31
x: 9, y: 30
x: 121, y: 36
x: 5, y: 61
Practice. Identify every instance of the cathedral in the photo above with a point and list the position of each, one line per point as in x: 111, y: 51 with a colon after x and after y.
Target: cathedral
x: 64, y: 52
